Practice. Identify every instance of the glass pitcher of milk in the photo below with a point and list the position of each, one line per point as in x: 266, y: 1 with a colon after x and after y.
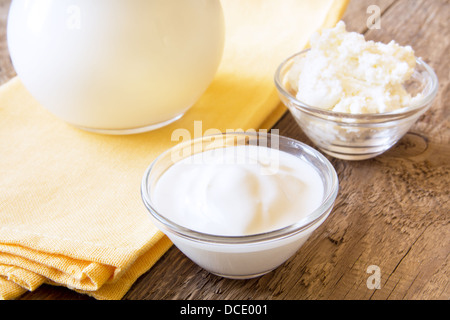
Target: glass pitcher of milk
x: 116, y: 66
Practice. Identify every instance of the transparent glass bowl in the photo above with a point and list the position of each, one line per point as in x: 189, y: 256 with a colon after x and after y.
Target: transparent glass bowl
x: 249, y: 256
x: 357, y: 136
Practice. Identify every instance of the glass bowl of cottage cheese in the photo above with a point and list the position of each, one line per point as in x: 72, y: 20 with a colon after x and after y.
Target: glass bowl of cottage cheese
x: 354, y: 98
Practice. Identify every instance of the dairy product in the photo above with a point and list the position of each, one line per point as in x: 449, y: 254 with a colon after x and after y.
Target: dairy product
x: 237, y: 191
x: 344, y: 73
x: 116, y: 65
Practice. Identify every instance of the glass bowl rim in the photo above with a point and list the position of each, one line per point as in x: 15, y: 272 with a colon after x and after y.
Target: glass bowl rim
x: 421, y: 102
x: 314, y: 217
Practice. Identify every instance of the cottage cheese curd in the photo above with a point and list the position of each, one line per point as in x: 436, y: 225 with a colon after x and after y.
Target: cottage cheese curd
x: 344, y: 73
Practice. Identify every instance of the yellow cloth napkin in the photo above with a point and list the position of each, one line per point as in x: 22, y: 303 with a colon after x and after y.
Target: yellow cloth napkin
x: 70, y: 206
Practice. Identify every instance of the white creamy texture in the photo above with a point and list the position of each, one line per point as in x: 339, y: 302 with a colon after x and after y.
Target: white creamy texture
x: 342, y: 72
x: 116, y: 64
x: 233, y: 192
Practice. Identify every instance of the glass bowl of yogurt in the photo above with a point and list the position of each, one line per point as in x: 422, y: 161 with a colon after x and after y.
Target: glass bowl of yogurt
x: 239, y: 204
x: 353, y: 98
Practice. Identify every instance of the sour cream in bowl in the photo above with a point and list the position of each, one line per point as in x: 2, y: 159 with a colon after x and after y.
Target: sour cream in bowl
x: 238, y: 204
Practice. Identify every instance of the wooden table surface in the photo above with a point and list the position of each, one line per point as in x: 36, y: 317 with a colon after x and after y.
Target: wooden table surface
x: 392, y: 212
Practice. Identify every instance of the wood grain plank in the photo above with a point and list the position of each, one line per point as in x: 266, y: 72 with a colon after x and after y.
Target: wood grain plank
x: 387, y: 206
x: 392, y: 211
x: 356, y: 15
